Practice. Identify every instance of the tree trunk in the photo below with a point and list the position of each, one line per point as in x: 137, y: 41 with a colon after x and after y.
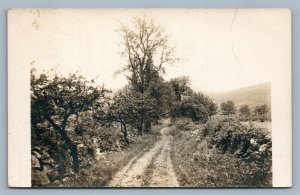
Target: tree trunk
x: 141, y: 126
x: 74, y: 154
x: 71, y: 147
x: 147, y: 125
x: 125, y: 132
x: 156, y: 121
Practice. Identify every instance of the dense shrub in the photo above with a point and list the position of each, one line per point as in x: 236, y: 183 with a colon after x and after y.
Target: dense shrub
x: 197, y: 107
x: 185, y: 124
x: 222, y: 153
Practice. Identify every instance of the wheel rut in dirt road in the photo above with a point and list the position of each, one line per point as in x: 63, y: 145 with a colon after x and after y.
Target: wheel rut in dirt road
x: 162, y: 173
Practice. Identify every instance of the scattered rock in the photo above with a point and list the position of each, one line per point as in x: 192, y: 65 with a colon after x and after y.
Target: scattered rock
x: 39, y: 178
x: 42, y: 167
x: 35, y: 162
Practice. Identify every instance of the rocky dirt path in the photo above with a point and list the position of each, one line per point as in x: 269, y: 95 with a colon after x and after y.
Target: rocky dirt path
x: 153, y: 168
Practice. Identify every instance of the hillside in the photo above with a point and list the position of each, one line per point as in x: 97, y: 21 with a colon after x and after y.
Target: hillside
x: 252, y: 95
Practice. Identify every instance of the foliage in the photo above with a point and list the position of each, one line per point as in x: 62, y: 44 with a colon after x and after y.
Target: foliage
x: 228, y: 108
x: 57, y: 99
x: 185, y: 124
x: 132, y: 108
x: 197, y: 106
x: 147, y: 50
x: 245, y: 112
x: 203, y: 162
x: 163, y: 97
x: 190, y: 104
x: 181, y: 87
x: 261, y: 112
x: 88, y: 136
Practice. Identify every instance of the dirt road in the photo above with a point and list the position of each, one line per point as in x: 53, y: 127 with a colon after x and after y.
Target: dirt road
x: 152, y: 168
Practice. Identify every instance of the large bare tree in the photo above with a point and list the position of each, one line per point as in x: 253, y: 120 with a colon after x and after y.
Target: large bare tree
x: 147, y: 50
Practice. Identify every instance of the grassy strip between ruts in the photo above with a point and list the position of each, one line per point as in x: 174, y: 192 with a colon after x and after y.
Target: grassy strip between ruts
x: 149, y: 170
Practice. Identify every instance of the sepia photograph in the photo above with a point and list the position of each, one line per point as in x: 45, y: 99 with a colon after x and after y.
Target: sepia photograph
x: 151, y: 97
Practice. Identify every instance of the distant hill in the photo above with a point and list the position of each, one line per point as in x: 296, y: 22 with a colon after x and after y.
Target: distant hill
x: 252, y: 95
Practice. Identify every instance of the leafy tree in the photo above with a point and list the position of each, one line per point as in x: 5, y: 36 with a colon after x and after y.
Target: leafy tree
x: 121, y: 110
x: 163, y: 97
x: 131, y: 108
x: 197, y: 112
x: 212, y: 108
x: 147, y: 50
x: 202, y: 99
x: 261, y: 112
x: 56, y: 99
x: 181, y: 86
x: 198, y: 107
x: 143, y: 111
x: 228, y: 108
x: 245, y: 111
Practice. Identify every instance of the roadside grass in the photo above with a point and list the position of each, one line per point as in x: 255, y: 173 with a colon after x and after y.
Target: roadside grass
x: 109, y: 163
x: 198, y: 162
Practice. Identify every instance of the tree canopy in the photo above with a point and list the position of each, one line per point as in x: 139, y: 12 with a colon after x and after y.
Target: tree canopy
x: 228, y: 108
x: 56, y: 99
x: 245, y: 111
x: 261, y: 112
x: 181, y: 87
x: 197, y: 106
x: 146, y: 50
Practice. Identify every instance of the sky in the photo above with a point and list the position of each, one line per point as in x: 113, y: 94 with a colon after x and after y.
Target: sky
x: 220, y: 49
